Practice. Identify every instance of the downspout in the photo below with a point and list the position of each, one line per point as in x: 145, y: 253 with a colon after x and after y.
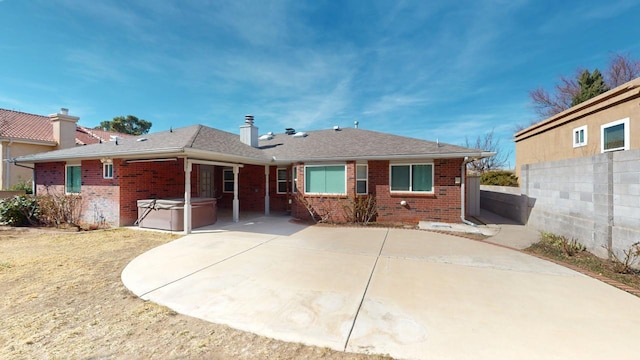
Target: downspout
x: 463, y: 198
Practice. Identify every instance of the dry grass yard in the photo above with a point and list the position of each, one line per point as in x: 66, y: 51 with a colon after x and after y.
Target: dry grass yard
x: 62, y: 298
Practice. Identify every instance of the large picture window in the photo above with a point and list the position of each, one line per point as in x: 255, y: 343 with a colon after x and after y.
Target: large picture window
x: 73, y: 179
x: 615, y: 135
x: 329, y: 179
x: 412, y: 178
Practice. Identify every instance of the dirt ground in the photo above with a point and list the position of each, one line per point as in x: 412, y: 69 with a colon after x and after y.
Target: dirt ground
x: 62, y: 298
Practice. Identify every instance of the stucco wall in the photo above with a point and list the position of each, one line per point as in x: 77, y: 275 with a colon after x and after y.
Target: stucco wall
x: 556, y: 143
x: 11, y: 172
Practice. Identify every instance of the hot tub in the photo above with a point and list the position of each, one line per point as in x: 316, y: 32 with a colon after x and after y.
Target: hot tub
x: 168, y: 214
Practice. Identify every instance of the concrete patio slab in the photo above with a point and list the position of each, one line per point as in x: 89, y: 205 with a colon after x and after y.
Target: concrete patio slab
x: 464, y: 312
x: 184, y: 256
x: 408, y: 293
x: 441, y: 248
x: 288, y: 293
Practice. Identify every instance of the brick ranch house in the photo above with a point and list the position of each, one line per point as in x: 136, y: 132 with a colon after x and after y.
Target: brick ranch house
x: 411, y: 179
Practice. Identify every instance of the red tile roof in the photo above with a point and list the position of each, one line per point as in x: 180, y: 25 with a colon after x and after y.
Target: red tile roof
x: 24, y: 126
x: 19, y: 125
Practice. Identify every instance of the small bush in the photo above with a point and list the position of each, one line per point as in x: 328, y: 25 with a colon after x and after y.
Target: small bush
x: 568, y: 247
x: 360, y: 209
x: 20, y: 210
x: 58, y: 209
x: 22, y: 185
x: 624, y: 264
x: 499, y: 178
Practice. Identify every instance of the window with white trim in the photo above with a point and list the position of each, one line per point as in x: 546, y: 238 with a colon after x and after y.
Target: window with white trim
x: 411, y: 178
x: 107, y: 170
x: 580, y: 136
x: 227, y: 180
x: 294, y: 180
x: 362, y: 178
x: 325, y: 179
x: 282, y: 180
x: 615, y: 135
x: 73, y: 179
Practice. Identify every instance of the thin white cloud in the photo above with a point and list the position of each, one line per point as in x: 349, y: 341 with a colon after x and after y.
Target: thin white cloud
x: 94, y: 66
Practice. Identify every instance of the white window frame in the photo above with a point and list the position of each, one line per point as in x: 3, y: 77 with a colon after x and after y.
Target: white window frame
x: 577, y: 131
x: 224, y: 181
x: 365, y: 179
x: 294, y: 180
x: 627, y: 137
x: 279, y: 181
x: 66, y: 166
x: 411, y: 191
x: 105, y: 173
x: 325, y: 165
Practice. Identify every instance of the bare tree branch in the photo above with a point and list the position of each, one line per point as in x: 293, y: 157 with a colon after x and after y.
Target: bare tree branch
x: 488, y: 142
x: 622, y: 69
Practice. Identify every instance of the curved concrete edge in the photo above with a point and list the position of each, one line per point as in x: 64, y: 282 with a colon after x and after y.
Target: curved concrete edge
x: 410, y: 294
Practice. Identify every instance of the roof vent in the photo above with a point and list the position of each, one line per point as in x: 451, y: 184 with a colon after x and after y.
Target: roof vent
x: 355, y: 124
x: 142, y: 139
x: 266, y: 137
x: 289, y: 131
x: 336, y: 128
x: 114, y: 138
x: 300, y: 134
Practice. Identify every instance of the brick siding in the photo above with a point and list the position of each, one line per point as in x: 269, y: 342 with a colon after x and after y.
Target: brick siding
x: 443, y: 205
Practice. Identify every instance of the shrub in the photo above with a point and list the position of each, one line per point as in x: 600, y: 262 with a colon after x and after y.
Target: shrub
x: 360, y: 209
x: 624, y: 264
x: 57, y: 209
x: 22, y: 185
x: 499, y: 178
x: 20, y: 210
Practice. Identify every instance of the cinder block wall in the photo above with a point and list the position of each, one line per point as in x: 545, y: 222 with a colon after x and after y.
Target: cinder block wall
x: 595, y: 199
x: 505, y: 201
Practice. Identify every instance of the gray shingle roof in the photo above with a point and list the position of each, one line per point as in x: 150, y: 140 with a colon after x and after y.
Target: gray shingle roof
x: 209, y: 143
x: 350, y: 143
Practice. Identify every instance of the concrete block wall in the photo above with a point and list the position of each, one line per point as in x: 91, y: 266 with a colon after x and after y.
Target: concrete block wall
x: 505, y: 201
x: 595, y: 199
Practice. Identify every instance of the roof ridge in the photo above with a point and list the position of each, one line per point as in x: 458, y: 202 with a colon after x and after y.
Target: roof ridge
x: 195, y: 136
x: 23, y: 112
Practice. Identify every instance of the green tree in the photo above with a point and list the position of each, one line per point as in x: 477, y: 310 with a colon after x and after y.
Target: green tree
x: 591, y: 85
x: 620, y: 69
x: 126, y: 125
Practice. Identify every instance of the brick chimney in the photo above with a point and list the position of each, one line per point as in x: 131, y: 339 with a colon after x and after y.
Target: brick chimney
x: 64, y: 128
x: 248, y: 132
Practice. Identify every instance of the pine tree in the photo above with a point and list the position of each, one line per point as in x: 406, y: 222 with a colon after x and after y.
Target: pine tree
x: 591, y: 85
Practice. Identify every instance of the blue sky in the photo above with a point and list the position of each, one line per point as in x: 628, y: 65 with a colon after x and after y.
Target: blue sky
x: 428, y: 69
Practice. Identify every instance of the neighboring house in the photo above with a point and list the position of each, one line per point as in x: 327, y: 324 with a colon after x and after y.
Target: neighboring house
x: 24, y: 134
x: 411, y: 179
x: 608, y: 122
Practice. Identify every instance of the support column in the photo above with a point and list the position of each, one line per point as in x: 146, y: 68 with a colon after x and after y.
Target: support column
x: 236, y: 202
x: 187, y: 196
x: 266, y: 190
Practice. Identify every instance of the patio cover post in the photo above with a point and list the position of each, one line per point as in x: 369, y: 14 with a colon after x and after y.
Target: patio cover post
x: 187, y: 196
x: 236, y: 202
x: 266, y: 189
